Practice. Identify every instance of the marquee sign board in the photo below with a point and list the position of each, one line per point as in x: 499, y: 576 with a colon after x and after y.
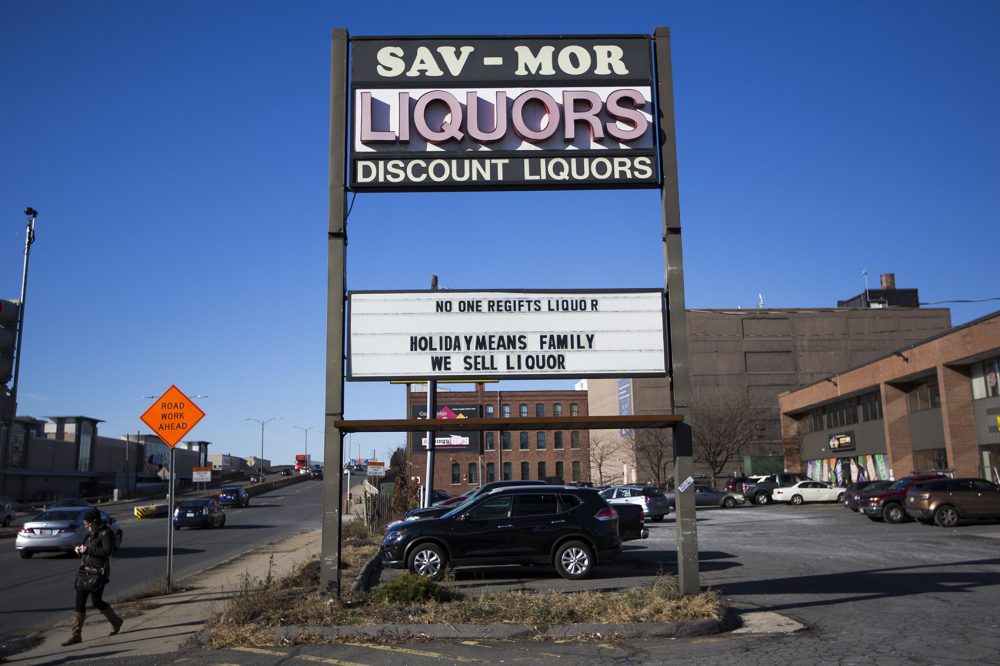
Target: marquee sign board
x: 450, y: 113
x: 505, y: 334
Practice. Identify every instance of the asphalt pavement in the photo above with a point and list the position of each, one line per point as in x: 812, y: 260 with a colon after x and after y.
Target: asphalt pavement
x: 813, y: 584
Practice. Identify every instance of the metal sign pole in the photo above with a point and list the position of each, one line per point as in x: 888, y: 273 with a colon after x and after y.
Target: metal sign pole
x: 680, y: 374
x: 431, y: 414
x: 170, y: 523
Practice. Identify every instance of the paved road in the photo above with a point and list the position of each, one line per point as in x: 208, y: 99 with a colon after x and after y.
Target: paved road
x: 867, y: 593
x: 36, y: 592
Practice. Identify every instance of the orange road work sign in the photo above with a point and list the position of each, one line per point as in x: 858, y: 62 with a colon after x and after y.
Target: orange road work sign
x: 172, y: 416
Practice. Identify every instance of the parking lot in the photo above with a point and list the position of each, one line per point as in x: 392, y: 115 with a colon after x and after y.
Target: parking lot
x: 871, y: 588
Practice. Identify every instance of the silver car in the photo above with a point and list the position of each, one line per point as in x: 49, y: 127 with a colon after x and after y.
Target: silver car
x: 58, y: 530
x: 652, y: 500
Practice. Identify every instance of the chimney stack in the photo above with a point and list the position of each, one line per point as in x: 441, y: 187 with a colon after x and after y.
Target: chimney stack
x: 888, y: 280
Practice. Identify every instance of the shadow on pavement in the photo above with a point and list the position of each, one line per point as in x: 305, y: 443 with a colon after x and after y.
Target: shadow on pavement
x: 870, y: 584
x: 136, y: 552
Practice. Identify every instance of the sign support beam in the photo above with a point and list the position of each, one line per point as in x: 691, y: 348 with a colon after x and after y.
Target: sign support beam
x: 333, y: 438
x: 680, y: 374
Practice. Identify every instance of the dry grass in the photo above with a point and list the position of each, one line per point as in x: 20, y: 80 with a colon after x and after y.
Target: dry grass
x: 294, y: 600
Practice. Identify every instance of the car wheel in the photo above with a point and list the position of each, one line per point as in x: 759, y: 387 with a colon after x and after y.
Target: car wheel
x: 223, y: 523
x: 176, y: 527
x: 840, y: 497
x: 118, y: 540
x: 6, y: 521
x: 893, y: 513
x: 946, y: 516
x: 729, y: 502
x: 796, y: 499
x: 657, y: 519
x: 25, y: 554
x: 761, y: 499
x: 574, y: 560
x: 428, y: 560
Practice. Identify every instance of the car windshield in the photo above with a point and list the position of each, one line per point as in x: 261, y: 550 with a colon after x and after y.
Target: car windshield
x: 652, y: 492
x: 195, y: 503
x: 231, y: 489
x: 57, y: 515
x: 902, y: 484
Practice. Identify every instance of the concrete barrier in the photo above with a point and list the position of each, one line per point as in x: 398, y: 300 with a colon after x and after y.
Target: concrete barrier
x: 150, y: 511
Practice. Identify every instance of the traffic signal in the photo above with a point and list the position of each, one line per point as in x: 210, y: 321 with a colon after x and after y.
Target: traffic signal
x: 8, y: 337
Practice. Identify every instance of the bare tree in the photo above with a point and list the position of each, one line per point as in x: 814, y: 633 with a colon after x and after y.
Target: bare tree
x: 603, y: 448
x: 654, y: 454
x: 404, y: 495
x: 721, y: 430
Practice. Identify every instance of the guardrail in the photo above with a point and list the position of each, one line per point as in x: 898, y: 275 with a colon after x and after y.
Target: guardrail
x: 150, y: 511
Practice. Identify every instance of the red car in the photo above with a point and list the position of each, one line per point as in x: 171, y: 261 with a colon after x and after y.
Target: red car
x: 890, y: 504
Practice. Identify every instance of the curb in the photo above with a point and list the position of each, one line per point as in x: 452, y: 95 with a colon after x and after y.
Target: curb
x: 504, y: 631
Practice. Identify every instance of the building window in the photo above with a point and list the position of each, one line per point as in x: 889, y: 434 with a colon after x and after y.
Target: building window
x: 489, y: 411
x: 522, y: 410
x: 491, y: 441
x: 491, y: 472
x: 871, y: 406
x: 574, y: 440
x: 930, y: 459
x: 541, y: 469
x: 506, y: 440
x: 524, y: 441
x: 540, y: 441
x: 924, y: 395
x: 456, y: 474
x: 539, y: 409
x: 473, y: 473
x: 86, y: 442
x: 506, y: 471
x: 505, y: 411
x: 574, y: 409
x: 576, y: 470
x: 557, y: 409
x: 559, y: 470
x: 525, y: 471
x: 986, y: 379
x: 557, y: 440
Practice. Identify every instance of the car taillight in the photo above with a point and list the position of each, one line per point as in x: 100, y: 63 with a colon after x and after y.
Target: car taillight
x: 25, y: 528
x: 606, y: 514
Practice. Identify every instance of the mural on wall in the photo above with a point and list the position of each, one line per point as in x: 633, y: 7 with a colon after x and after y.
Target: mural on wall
x: 839, y: 471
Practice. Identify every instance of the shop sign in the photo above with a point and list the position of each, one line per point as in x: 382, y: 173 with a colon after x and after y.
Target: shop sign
x: 842, y: 442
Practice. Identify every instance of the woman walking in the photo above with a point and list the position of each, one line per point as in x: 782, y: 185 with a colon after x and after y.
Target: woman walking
x: 93, y: 574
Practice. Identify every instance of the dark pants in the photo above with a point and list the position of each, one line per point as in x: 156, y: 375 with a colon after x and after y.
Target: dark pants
x: 95, y: 596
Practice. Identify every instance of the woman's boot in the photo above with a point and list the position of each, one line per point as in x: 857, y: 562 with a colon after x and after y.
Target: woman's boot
x: 116, y: 622
x: 77, y: 629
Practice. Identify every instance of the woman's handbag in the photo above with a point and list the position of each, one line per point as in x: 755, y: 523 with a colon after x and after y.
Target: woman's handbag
x: 87, y: 581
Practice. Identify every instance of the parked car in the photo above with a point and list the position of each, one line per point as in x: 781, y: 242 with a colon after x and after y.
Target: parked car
x: 708, y: 496
x: 438, y: 495
x: 808, y: 491
x: 888, y: 504
x: 451, y: 502
x: 631, y: 522
x: 199, y: 512
x: 59, y: 530
x: 7, y: 511
x: 572, y: 529
x: 234, y: 496
x: 759, y: 491
x: 852, y: 496
x: 652, y: 500
x: 735, y: 484
x: 947, y: 501
x: 438, y: 511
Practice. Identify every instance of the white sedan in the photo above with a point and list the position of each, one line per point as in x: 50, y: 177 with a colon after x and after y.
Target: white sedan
x: 808, y: 491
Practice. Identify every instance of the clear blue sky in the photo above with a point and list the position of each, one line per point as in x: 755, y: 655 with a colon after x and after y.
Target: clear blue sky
x: 178, y: 155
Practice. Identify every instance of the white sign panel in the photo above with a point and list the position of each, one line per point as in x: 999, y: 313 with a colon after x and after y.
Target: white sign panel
x: 201, y: 475
x: 508, y: 334
x: 376, y: 469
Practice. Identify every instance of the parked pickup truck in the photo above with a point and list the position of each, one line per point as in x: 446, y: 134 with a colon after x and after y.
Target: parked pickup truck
x: 759, y: 492
x: 631, y: 522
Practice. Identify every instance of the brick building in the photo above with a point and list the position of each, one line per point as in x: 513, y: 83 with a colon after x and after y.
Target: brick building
x: 464, y: 461
x: 934, y: 404
x: 751, y: 356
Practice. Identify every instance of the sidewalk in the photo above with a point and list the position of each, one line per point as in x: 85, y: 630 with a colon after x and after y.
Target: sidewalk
x: 176, y: 617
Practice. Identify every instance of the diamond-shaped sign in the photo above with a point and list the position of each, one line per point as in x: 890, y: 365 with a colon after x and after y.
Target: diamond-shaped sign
x: 172, y: 416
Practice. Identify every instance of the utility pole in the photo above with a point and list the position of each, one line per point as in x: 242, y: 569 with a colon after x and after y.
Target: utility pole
x: 431, y: 414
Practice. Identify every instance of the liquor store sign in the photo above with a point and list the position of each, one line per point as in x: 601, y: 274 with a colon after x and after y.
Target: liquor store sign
x: 512, y: 112
x: 505, y: 334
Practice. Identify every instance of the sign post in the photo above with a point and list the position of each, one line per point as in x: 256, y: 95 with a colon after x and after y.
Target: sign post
x: 171, y: 417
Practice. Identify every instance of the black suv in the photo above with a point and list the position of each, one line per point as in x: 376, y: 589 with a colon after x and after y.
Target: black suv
x: 569, y: 528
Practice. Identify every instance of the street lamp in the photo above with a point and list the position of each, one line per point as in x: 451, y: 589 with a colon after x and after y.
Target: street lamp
x: 306, y: 432
x: 262, y: 424
x: 29, y: 238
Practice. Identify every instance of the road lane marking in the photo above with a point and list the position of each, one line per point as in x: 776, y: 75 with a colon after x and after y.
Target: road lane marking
x: 415, y: 653
x: 304, y: 657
